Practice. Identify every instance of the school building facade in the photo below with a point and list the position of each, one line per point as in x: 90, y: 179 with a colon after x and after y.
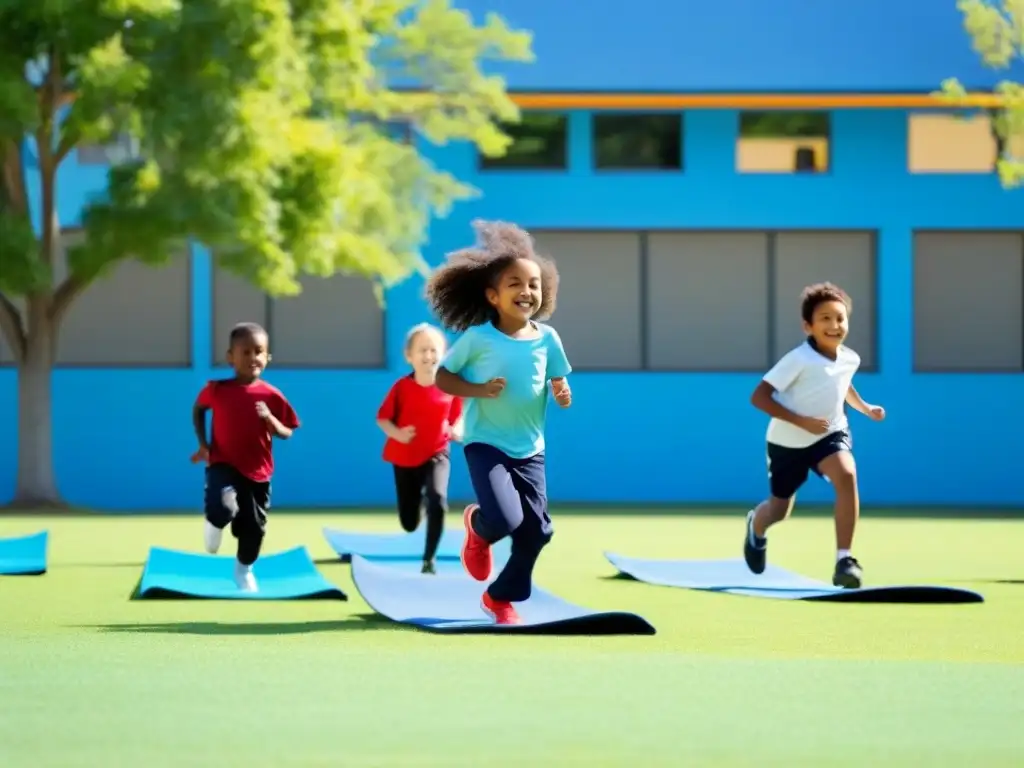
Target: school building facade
x: 690, y: 167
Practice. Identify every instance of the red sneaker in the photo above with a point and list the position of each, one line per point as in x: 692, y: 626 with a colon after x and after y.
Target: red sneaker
x: 500, y: 611
x: 476, y: 553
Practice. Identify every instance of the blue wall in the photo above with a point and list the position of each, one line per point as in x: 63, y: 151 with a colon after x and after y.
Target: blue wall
x: 741, y: 45
x: 704, y: 443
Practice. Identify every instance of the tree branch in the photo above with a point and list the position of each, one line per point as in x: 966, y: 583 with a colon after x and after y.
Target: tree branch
x: 68, y: 141
x: 12, y: 176
x: 12, y: 328
x: 64, y: 296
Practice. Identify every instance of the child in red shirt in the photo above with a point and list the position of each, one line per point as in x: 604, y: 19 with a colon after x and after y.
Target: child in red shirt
x: 420, y: 420
x: 247, y: 414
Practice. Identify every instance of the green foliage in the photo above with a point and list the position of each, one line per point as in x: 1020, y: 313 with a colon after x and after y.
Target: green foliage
x: 262, y: 127
x: 996, y: 31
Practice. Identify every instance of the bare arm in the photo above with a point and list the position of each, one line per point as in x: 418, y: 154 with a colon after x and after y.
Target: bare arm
x: 855, y: 401
x: 199, y: 423
x: 456, y: 386
x: 277, y: 428
x: 762, y: 400
x: 388, y: 428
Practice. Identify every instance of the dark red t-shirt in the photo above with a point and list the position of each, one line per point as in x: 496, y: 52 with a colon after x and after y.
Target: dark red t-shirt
x: 429, y: 410
x: 238, y: 436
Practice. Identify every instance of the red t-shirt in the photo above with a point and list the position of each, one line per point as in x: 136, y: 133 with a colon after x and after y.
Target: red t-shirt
x: 238, y: 436
x: 429, y: 410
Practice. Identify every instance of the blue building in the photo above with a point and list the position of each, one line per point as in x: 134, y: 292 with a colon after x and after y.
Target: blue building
x: 690, y: 166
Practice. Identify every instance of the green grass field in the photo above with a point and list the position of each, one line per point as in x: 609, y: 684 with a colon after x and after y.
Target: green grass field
x: 90, y: 678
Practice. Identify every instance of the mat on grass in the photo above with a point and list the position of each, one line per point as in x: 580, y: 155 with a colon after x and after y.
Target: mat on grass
x: 450, y: 602
x: 24, y: 555
x: 733, y: 577
x: 401, y: 546
x: 288, y: 575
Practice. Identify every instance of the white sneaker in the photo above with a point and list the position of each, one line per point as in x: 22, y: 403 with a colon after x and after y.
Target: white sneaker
x: 244, y: 578
x: 212, y: 536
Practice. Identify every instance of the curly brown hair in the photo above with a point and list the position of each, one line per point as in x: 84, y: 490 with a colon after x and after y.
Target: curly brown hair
x: 456, y: 291
x: 819, y: 293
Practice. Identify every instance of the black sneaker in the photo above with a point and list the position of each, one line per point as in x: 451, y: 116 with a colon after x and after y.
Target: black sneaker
x: 428, y: 567
x: 849, y: 574
x: 755, y: 548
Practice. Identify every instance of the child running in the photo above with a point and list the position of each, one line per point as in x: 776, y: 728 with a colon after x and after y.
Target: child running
x: 420, y: 420
x: 247, y: 414
x: 502, y: 364
x: 804, y: 394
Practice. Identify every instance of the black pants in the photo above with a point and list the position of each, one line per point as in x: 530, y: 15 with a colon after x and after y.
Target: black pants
x: 428, y: 481
x: 249, y: 522
x: 513, y: 499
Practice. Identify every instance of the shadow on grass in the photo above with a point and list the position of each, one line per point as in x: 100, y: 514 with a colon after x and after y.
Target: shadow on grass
x: 363, y: 622
x: 620, y: 577
x: 100, y: 565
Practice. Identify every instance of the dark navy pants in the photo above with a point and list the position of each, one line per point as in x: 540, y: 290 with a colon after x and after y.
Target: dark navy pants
x: 249, y: 522
x: 513, y: 499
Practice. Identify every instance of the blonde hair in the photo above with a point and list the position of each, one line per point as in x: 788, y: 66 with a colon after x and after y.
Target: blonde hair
x: 416, y: 330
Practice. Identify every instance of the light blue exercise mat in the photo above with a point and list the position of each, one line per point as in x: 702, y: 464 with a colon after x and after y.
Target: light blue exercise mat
x: 24, y: 555
x: 288, y: 575
x: 449, y: 601
x: 402, y: 545
x: 734, y: 578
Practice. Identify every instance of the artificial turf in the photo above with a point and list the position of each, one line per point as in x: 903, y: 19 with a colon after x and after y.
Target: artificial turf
x: 91, y: 678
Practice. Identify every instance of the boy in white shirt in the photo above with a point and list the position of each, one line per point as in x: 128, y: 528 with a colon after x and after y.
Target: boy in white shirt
x: 805, y: 394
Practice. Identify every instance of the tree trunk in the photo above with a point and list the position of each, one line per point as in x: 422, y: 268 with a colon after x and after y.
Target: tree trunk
x: 36, y: 486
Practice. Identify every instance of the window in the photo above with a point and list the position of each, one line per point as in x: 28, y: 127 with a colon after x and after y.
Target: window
x: 598, y: 314
x: 847, y: 259
x: 539, y: 142
x: 702, y: 301
x: 968, y: 301
x: 335, y: 322
x: 783, y: 142
x: 944, y: 142
x: 707, y: 301
x: 641, y: 142
x: 234, y: 301
x: 114, y: 152
x: 138, y: 316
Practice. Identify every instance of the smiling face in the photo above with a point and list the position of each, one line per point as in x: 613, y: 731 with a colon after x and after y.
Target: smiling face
x: 830, y: 323
x: 516, y: 294
x: 248, y: 355
x: 424, y: 352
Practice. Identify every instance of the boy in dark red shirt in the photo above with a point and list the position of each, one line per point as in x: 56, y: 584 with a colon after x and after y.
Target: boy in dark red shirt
x: 247, y: 414
x: 420, y: 420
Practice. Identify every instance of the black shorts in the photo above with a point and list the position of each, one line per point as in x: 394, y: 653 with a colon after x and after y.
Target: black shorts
x: 789, y: 468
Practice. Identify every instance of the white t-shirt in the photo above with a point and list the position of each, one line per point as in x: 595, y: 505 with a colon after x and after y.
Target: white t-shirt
x: 810, y: 384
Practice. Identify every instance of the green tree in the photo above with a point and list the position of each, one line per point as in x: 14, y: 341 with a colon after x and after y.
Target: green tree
x: 262, y: 129
x: 996, y: 31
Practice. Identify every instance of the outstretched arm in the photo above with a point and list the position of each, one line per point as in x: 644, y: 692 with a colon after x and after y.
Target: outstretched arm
x: 855, y: 401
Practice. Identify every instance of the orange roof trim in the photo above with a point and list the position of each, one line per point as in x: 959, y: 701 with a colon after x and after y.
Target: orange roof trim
x: 748, y: 101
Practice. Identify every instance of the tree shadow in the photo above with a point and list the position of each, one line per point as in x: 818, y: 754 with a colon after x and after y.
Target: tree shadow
x: 1015, y: 582
x: 620, y: 577
x: 359, y: 623
x: 330, y: 561
x: 100, y: 565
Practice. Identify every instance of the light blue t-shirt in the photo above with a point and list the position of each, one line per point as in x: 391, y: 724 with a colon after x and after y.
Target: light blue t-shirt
x: 513, y: 421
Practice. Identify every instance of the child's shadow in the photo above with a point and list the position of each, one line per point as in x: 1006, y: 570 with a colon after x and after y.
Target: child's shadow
x: 359, y: 623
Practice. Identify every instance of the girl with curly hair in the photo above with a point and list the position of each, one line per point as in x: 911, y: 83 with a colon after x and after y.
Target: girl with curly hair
x: 503, y: 366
